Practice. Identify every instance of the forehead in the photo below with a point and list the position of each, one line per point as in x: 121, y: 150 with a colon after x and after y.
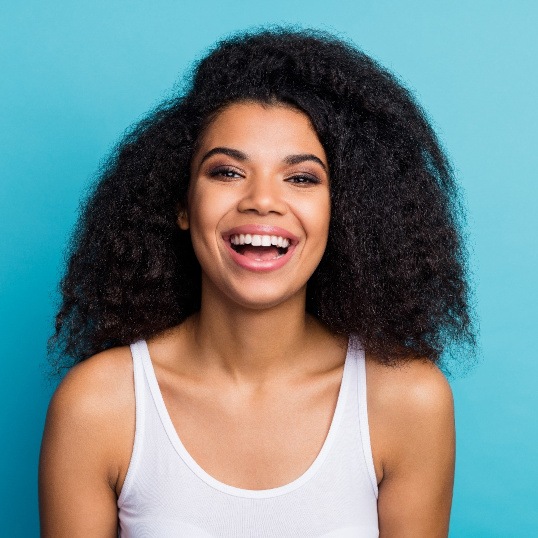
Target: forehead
x: 262, y: 130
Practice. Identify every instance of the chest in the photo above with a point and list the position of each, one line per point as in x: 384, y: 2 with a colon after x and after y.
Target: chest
x: 305, y: 437
x: 253, y: 439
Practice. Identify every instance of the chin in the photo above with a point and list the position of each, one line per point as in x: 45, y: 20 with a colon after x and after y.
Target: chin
x: 260, y: 303
x: 251, y: 293
x: 263, y: 299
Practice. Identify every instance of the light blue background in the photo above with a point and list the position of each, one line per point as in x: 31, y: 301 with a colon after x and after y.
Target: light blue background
x: 74, y: 75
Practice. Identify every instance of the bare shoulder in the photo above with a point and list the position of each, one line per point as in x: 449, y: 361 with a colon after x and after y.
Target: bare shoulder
x: 411, y: 412
x: 97, y: 387
x: 411, y: 419
x: 93, y: 410
x: 414, y: 389
x: 87, y: 445
x: 102, y: 372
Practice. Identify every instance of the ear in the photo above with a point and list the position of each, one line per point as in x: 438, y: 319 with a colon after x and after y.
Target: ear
x: 183, y: 219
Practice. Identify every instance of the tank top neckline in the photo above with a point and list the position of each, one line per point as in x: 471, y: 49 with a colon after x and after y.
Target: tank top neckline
x: 176, y: 442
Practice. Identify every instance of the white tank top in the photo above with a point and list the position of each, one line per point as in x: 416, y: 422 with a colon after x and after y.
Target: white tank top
x: 167, y: 494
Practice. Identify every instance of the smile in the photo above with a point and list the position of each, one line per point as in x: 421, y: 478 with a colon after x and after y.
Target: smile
x: 260, y: 248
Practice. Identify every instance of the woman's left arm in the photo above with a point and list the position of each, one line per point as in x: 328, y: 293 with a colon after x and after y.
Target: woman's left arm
x: 411, y: 415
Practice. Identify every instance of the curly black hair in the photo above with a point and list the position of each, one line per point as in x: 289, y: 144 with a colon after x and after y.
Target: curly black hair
x: 394, y: 270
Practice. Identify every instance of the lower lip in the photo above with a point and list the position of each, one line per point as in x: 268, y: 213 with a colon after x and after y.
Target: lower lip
x: 260, y: 265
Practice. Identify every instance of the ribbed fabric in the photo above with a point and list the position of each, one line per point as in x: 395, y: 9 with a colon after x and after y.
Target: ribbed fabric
x: 167, y: 494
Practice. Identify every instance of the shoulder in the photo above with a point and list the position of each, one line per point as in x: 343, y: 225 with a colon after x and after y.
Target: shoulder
x: 414, y: 388
x: 411, y: 412
x: 92, y: 411
x: 97, y: 385
x: 86, y: 447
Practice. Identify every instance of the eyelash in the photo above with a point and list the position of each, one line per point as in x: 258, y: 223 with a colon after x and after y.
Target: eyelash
x: 224, y: 173
x: 304, y: 180
x: 228, y: 174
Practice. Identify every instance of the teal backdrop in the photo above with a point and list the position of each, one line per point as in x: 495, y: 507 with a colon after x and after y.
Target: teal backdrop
x: 75, y: 75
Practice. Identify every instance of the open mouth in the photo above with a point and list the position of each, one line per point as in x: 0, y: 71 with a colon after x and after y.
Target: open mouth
x: 260, y: 247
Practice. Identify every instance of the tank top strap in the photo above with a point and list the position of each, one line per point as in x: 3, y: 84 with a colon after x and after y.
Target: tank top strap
x: 358, y: 352
x: 138, y: 352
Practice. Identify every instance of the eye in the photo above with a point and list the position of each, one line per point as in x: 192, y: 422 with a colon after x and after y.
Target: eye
x: 303, y: 179
x: 224, y: 173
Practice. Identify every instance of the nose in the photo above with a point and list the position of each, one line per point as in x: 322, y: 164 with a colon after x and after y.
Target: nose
x: 262, y: 196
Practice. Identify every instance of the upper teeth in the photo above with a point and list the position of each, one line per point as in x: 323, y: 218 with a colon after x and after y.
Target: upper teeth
x: 259, y: 240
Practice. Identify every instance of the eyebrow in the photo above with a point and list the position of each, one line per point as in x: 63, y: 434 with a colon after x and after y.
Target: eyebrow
x: 236, y: 154
x: 240, y: 156
x: 302, y: 157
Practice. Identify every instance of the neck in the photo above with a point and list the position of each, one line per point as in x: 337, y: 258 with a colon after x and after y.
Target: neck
x: 253, y: 343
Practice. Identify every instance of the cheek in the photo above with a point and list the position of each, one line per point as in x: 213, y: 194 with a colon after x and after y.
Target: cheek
x: 199, y: 199
x: 198, y: 219
x: 206, y: 210
x: 323, y: 222
x: 317, y: 216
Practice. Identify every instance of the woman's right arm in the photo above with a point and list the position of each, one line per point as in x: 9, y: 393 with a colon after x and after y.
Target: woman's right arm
x: 86, y: 448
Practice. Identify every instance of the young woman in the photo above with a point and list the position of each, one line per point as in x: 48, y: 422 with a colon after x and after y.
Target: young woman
x: 280, y: 247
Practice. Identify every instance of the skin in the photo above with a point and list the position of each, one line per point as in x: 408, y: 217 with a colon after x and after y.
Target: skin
x: 251, y: 356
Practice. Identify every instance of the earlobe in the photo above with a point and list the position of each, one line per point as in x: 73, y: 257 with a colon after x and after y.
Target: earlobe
x: 183, y: 220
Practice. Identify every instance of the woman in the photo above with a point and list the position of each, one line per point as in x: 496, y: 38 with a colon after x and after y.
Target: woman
x: 280, y: 246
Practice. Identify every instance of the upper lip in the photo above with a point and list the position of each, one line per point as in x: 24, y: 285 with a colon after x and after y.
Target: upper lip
x: 261, y: 229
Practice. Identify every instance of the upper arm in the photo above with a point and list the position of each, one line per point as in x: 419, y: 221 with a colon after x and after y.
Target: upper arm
x: 413, y: 436
x: 81, y: 456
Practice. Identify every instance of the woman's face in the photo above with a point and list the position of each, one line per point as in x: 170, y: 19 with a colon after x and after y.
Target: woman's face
x: 258, y: 204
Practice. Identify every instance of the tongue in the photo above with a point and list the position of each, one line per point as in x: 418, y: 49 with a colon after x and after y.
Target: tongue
x: 260, y: 253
